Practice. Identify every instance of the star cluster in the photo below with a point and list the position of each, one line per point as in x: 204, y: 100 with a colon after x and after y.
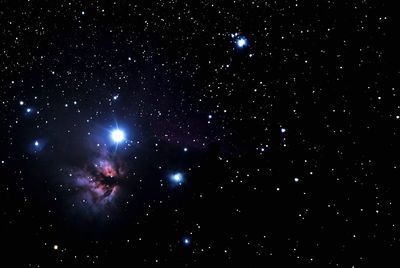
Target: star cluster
x: 189, y: 134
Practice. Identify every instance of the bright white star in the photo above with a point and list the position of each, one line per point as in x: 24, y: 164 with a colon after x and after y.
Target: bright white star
x: 117, y: 135
x: 177, y: 177
x: 241, y: 42
x: 186, y: 241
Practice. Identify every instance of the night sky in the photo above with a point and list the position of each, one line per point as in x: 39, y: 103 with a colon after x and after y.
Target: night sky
x: 194, y: 133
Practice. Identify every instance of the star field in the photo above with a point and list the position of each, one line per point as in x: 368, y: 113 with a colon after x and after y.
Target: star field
x: 172, y: 133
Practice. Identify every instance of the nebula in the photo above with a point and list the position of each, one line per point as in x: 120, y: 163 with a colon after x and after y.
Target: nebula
x: 97, y: 183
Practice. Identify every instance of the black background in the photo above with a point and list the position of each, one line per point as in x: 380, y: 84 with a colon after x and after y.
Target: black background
x: 326, y: 71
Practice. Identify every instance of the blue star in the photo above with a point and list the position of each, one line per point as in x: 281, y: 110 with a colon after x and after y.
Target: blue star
x: 186, y: 241
x: 117, y: 135
x: 37, y: 145
x: 241, y: 42
x: 176, y: 178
